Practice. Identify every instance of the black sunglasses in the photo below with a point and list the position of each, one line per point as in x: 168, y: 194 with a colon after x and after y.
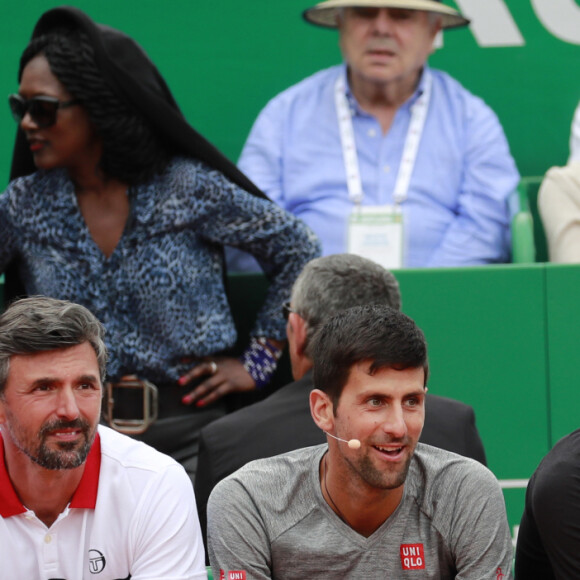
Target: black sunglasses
x: 286, y: 310
x: 42, y: 110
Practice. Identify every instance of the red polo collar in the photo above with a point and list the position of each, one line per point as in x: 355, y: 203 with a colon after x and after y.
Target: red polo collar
x: 85, y: 495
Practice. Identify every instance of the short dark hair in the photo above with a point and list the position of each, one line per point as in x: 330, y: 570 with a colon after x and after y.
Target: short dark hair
x: 40, y: 324
x: 382, y: 335
x: 132, y: 151
x: 330, y: 284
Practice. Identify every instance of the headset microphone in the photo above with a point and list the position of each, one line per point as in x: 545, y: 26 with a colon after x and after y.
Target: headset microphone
x: 352, y: 443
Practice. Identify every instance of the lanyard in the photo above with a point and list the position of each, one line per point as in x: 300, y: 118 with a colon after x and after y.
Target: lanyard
x: 412, y: 140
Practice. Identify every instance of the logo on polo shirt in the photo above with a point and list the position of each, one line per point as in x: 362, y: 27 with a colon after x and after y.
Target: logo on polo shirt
x: 97, y: 562
x: 236, y: 575
x: 412, y: 557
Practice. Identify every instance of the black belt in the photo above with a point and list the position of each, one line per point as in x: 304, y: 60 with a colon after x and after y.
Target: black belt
x: 133, y: 405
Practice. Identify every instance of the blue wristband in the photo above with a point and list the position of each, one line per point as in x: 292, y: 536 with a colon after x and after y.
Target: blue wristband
x: 260, y: 359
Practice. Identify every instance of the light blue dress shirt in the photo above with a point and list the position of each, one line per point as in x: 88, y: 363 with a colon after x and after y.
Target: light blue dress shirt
x: 456, y: 212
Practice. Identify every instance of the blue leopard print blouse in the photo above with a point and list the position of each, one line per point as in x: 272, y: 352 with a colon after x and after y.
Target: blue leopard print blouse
x: 160, y: 294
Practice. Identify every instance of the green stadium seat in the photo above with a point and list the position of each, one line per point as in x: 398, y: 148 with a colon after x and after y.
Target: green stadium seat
x: 528, y: 236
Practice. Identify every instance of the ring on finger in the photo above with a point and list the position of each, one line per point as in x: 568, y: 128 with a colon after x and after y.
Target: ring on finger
x: 213, y: 367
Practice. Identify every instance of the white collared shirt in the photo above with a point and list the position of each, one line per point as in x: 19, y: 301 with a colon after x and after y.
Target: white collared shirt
x: 132, y: 515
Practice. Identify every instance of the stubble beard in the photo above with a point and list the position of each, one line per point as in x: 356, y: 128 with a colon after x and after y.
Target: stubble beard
x: 382, y: 478
x: 68, y: 455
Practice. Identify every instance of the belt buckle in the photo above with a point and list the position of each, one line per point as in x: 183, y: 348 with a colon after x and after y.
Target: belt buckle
x: 150, y: 406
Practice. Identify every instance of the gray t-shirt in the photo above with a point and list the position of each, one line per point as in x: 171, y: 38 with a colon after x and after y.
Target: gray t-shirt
x: 270, y: 520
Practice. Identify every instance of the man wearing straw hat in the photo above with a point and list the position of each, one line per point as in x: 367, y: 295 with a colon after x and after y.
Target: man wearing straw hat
x: 382, y: 155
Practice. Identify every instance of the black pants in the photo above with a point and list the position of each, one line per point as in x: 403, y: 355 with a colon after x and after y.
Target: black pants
x: 176, y: 430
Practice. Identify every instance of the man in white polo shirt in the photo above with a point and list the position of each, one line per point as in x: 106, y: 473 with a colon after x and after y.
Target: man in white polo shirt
x: 79, y: 500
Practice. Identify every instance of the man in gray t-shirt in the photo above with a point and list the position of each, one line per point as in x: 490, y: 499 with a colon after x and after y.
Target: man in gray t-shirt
x: 372, y: 503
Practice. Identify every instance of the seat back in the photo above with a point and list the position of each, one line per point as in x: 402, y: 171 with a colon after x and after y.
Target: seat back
x: 528, y: 189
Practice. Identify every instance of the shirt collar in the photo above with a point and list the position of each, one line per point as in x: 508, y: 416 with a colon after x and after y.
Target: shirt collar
x: 85, y: 495
x: 10, y: 505
x: 410, y: 101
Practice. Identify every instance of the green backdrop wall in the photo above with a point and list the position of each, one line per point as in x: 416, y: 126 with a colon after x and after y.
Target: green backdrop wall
x: 225, y: 60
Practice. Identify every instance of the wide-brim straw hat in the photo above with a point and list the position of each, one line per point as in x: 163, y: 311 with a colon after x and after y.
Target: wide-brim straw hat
x: 324, y: 13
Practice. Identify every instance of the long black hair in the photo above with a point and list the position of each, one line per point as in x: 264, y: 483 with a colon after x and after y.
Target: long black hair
x: 134, y: 79
x: 132, y: 151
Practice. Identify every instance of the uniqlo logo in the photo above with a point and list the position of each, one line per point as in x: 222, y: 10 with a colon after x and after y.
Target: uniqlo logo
x: 412, y: 557
x: 236, y: 575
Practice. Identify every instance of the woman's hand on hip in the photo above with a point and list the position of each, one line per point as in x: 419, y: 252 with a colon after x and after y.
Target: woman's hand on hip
x: 224, y: 375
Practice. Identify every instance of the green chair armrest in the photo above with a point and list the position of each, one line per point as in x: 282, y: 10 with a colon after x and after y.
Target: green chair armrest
x: 522, y: 226
x: 523, y: 246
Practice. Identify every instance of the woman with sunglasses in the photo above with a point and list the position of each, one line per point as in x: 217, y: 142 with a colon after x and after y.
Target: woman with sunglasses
x: 118, y: 204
